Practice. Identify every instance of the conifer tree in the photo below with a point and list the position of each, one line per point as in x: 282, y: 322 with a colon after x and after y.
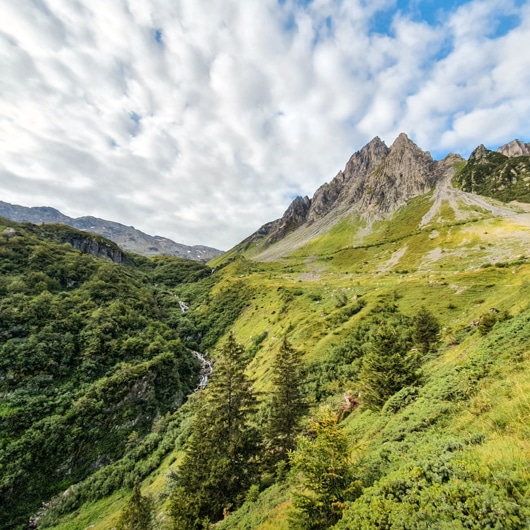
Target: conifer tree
x: 288, y: 404
x: 387, y: 367
x: 221, y: 461
x: 323, y: 475
x: 138, y: 512
x: 425, y: 330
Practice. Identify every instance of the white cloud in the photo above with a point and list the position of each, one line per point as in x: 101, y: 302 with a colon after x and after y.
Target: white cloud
x: 199, y: 120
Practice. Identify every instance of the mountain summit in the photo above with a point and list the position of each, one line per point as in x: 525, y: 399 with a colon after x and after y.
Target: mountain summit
x: 379, y: 180
x: 376, y: 180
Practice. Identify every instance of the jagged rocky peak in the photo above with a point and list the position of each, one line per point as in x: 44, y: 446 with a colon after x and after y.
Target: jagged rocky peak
x: 298, y: 209
x: 406, y: 172
x: 479, y: 153
x: 515, y: 148
x: 376, y: 179
x: 293, y: 217
x: 348, y: 186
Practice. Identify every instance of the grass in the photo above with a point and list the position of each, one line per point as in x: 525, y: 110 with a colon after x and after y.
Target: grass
x: 476, y: 388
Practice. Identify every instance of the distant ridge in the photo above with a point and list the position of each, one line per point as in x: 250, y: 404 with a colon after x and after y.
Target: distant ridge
x: 126, y: 237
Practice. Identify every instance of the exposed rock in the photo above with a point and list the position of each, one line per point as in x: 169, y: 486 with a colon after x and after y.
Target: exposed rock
x: 99, y: 249
x: 349, y: 186
x: 375, y: 181
x: 406, y: 172
x: 9, y: 232
x: 479, y: 153
x: 515, y: 148
x: 293, y: 217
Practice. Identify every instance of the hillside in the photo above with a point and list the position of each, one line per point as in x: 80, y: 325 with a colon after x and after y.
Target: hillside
x: 126, y: 237
x: 408, y: 305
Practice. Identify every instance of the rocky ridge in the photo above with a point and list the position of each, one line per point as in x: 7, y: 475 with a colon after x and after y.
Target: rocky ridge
x: 515, y: 148
x: 126, y: 237
x: 377, y: 181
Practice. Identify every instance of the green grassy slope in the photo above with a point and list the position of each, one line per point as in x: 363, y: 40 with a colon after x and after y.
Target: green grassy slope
x: 461, y: 435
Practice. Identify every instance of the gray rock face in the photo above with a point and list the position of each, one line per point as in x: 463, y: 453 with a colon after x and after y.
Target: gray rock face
x: 376, y: 180
x: 406, y: 172
x: 127, y: 237
x: 349, y: 186
x: 515, y: 148
x: 87, y: 245
x: 293, y: 217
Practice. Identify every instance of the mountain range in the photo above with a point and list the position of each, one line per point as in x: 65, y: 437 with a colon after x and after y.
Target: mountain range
x: 126, y: 237
x: 378, y: 180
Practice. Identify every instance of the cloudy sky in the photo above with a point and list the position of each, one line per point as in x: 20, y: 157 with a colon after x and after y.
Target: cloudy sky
x: 200, y: 120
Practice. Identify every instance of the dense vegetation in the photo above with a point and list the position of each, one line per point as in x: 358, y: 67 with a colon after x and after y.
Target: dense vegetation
x: 496, y: 175
x: 93, y: 356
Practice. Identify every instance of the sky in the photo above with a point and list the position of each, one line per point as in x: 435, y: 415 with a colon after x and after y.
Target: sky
x: 201, y: 120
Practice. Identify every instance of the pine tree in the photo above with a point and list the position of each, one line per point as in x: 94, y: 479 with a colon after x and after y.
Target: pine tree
x: 425, y: 330
x: 221, y: 461
x: 323, y: 475
x: 287, y: 405
x: 387, y: 367
x: 138, y: 512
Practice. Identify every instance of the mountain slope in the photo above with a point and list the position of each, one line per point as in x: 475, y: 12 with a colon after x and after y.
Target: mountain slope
x: 126, y: 237
x: 377, y: 181
x: 503, y: 175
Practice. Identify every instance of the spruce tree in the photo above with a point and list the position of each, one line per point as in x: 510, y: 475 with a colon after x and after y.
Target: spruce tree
x: 138, y: 512
x: 287, y: 404
x: 323, y: 476
x: 387, y: 367
x: 221, y: 460
x: 425, y: 330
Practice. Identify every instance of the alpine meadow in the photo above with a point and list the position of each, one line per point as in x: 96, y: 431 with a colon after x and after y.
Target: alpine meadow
x: 363, y: 362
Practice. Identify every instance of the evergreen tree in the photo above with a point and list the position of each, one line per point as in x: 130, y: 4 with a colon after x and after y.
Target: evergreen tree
x: 221, y: 461
x: 425, y: 330
x: 138, y: 512
x: 287, y: 405
x: 322, y: 474
x: 387, y: 367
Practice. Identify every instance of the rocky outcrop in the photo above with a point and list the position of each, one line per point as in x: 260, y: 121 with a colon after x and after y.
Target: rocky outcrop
x: 100, y: 249
x: 375, y: 181
x: 127, y: 237
x: 350, y: 185
x: 515, y: 148
x: 293, y: 217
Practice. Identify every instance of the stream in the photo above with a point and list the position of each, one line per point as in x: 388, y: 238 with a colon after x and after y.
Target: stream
x: 206, y: 370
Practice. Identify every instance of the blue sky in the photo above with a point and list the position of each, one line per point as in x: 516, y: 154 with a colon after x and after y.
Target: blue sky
x: 199, y: 119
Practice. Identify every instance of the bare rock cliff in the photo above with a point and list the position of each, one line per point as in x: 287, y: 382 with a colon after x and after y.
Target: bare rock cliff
x: 515, y: 148
x: 376, y: 180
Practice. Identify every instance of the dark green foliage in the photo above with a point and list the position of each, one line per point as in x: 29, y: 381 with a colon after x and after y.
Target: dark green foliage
x: 496, y: 175
x: 425, y: 330
x: 89, y: 361
x: 255, y: 346
x: 287, y: 405
x: 172, y: 272
x: 322, y: 475
x: 138, y: 512
x: 434, y: 492
x: 221, y: 460
x: 387, y: 367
